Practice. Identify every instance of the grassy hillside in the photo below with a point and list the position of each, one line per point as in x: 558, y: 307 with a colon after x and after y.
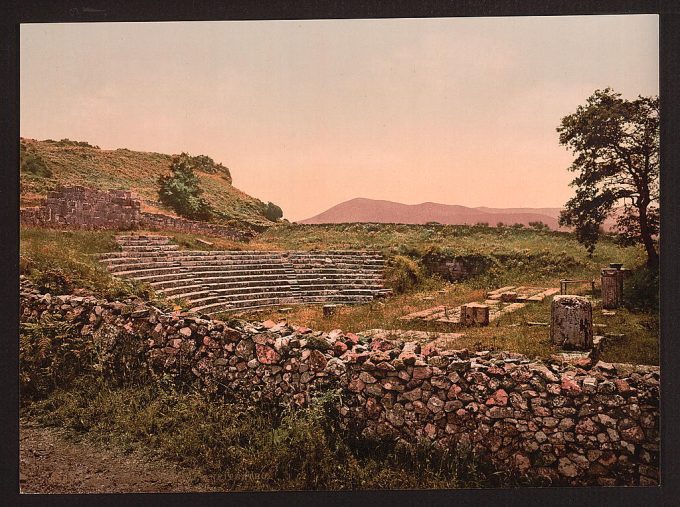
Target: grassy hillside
x: 47, y: 164
x: 530, y: 254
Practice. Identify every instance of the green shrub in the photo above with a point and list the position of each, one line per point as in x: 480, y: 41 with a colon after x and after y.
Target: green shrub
x: 32, y: 163
x: 403, y: 274
x: 641, y: 290
x: 206, y: 164
x: 273, y: 212
x: 180, y: 190
x: 539, y: 226
x: 50, y: 356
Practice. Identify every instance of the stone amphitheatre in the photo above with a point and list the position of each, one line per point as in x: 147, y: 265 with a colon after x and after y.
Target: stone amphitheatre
x: 217, y: 281
x: 569, y: 419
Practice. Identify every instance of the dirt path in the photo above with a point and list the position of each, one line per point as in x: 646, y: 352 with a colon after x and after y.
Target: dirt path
x: 51, y: 463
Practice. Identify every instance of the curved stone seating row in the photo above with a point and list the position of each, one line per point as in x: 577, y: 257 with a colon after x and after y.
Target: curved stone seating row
x: 214, y: 281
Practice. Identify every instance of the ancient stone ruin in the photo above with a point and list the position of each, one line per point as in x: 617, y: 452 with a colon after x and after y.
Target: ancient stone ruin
x: 586, y: 424
x: 612, y: 286
x: 85, y: 208
x: 571, y: 322
x: 499, y: 302
x: 217, y: 281
x: 82, y: 208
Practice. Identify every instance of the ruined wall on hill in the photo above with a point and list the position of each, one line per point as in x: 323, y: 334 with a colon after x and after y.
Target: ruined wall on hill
x: 594, y: 424
x: 86, y: 208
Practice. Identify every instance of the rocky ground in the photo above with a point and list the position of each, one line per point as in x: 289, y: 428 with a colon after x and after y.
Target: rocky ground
x: 53, y: 462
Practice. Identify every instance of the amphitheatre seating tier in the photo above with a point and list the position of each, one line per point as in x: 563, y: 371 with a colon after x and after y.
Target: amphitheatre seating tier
x: 213, y: 281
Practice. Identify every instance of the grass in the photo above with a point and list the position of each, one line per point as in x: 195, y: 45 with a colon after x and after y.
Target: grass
x: 514, y: 249
x: 254, y: 448
x: 64, y: 262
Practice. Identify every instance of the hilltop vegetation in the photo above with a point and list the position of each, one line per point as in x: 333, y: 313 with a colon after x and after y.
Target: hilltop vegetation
x: 47, y: 164
x: 503, y: 253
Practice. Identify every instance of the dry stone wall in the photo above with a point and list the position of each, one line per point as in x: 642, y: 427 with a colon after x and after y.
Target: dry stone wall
x: 86, y: 208
x: 570, y: 424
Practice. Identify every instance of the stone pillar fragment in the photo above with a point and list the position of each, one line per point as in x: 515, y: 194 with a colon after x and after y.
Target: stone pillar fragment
x: 474, y: 314
x: 328, y: 310
x: 571, y: 322
x: 612, y: 287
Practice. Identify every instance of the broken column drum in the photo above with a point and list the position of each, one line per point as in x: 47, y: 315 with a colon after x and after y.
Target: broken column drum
x: 473, y: 314
x: 612, y: 287
x: 571, y: 322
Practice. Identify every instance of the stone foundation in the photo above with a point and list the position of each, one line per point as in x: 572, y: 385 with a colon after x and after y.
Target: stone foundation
x: 572, y: 425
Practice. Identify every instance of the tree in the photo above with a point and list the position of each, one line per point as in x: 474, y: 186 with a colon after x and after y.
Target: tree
x: 180, y: 190
x: 539, y: 226
x: 616, y: 143
x: 273, y: 212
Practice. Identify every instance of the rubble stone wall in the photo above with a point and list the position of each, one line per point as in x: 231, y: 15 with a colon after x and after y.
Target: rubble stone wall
x: 86, y: 208
x: 573, y: 425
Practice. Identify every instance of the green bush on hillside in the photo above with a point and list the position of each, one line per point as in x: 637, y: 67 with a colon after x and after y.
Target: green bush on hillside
x: 32, y: 163
x: 539, y: 226
x: 181, y: 191
x: 68, y: 142
x: 403, y: 274
x: 206, y: 164
x: 273, y: 212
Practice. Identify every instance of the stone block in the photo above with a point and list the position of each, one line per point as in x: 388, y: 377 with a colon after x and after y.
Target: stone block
x: 571, y: 322
x: 612, y: 287
x: 472, y: 314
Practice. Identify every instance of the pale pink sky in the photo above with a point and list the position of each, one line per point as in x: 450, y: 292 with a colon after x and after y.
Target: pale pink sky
x: 308, y: 114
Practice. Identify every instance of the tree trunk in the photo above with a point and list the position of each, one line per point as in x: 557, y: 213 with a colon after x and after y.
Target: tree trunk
x: 652, y: 255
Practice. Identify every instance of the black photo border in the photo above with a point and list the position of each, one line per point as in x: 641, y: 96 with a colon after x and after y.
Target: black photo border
x: 60, y: 11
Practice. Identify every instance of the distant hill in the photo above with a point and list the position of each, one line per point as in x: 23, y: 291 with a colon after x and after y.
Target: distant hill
x: 48, y: 164
x: 371, y: 210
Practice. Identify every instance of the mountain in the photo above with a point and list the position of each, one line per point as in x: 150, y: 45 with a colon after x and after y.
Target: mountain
x: 48, y: 164
x: 371, y: 210
x: 379, y: 211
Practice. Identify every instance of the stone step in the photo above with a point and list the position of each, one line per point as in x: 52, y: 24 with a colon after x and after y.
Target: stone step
x: 336, y: 298
x: 149, y: 248
x: 172, y: 278
x: 235, y: 293
x: 163, y: 268
x: 182, y: 255
x: 274, y: 296
x: 180, y: 285
x: 347, y: 288
x: 130, y: 240
x: 175, y: 280
x: 202, y: 260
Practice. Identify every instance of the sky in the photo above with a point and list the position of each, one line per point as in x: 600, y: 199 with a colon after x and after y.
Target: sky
x: 308, y: 114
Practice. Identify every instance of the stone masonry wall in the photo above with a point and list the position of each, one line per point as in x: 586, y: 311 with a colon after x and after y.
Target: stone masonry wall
x: 86, y: 208
x: 573, y: 425
x: 83, y: 208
